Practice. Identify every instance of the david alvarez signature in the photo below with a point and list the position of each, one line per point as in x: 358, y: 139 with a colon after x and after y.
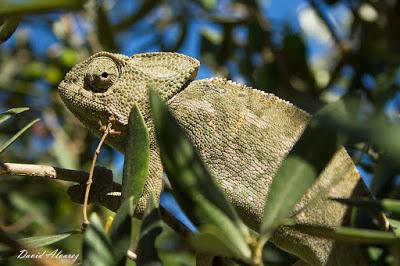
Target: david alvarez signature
x: 55, y: 254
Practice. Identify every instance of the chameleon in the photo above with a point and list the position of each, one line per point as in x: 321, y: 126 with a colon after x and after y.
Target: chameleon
x: 241, y: 133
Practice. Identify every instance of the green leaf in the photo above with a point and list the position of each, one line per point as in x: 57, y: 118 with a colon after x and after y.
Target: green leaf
x: 120, y: 231
x: 188, y: 174
x: 12, y: 7
x: 295, y: 177
x: 96, y: 250
x: 300, y: 169
x: 348, y: 234
x: 9, y: 113
x: 209, y: 241
x: 36, y: 242
x: 41, y: 241
x: 228, y: 239
x: 25, y: 204
x: 137, y: 153
x: 7, y: 28
x: 209, y: 4
x: 66, y: 158
x: 151, y: 227
x: 396, y: 226
x: 16, y: 136
x: 384, y: 204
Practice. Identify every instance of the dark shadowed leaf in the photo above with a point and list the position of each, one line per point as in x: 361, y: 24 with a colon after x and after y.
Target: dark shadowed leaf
x: 360, y: 126
x: 188, y: 174
x: 136, y: 166
x: 96, y: 250
x: 12, y: 7
x: 16, y: 136
x: 348, y: 234
x: 147, y: 254
x: 396, y: 226
x: 209, y: 241
x: 9, y: 113
x: 384, y: 204
x: 7, y: 28
x: 384, y: 174
x: 120, y: 231
x: 104, y: 32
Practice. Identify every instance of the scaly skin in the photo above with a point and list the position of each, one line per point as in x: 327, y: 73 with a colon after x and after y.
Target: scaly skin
x: 242, y: 134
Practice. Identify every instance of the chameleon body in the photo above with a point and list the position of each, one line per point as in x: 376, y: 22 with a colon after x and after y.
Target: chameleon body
x: 242, y: 134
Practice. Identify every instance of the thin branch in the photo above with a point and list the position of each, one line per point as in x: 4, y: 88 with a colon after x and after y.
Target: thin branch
x: 46, y: 171
x: 90, y: 179
x: 103, y: 177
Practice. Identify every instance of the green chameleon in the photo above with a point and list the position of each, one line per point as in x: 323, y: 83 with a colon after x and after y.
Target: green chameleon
x: 242, y: 135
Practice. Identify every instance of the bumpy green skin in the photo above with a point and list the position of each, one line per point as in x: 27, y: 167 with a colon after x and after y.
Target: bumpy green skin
x: 242, y: 134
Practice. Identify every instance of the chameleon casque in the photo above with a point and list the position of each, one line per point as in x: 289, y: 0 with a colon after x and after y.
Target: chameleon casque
x: 241, y: 133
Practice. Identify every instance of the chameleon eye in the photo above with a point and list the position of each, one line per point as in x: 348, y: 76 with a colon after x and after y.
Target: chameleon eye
x: 101, y: 73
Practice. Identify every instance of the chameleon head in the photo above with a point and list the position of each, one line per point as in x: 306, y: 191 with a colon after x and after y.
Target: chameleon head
x: 106, y: 84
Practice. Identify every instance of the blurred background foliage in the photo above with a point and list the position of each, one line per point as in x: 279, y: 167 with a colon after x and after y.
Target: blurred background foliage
x: 310, y: 52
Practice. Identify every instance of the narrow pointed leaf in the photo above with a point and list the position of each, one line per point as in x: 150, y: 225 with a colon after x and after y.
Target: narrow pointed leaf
x: 9, y: 113
x: 188, y: 174
x: 136, y: 166
x: 121, y: 229
x: 208, y: 241
x: 384, y: 204
x: 36, y: 242
x: 42, y: 241
x: 151, y: 227
x: 12, y: 7
x: 396, y: 226
x: 7, y: 27
x: 96, y: 250
x: 16, y: 136
x: 348, y: 234
x: 296, y: 176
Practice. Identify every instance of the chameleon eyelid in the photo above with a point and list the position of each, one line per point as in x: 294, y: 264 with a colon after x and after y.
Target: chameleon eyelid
x: 102, y: 73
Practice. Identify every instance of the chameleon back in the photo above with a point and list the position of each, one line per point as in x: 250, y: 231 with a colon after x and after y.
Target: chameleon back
x: 243, y: 135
